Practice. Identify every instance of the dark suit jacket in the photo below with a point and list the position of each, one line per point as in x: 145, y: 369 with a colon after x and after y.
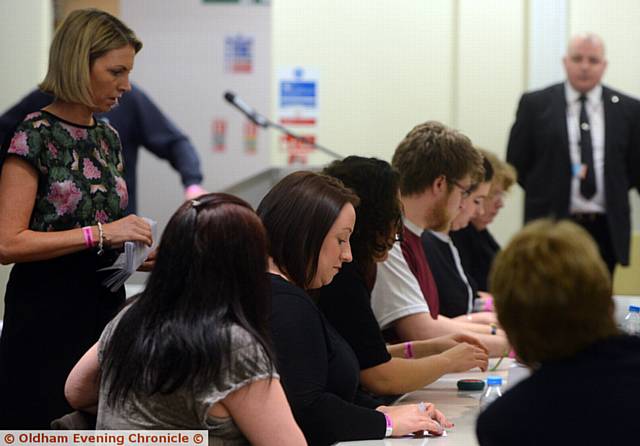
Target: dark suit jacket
x: 592, y: 398
x: 539, y: 150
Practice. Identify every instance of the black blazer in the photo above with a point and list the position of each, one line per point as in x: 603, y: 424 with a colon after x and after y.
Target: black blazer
x: 539, y: 150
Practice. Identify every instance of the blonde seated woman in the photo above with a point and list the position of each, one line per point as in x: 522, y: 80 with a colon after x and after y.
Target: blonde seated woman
x: 552, y: 293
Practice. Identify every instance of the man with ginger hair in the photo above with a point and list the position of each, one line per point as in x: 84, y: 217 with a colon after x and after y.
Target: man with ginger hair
x: 436, y: 166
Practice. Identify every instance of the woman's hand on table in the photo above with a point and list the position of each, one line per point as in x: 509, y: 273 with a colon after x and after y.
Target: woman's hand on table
x: 410, y: 418
x: 446, y: 342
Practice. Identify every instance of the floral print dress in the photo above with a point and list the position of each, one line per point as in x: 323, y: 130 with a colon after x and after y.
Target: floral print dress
x: 55, y: 309
x: 80, y: 171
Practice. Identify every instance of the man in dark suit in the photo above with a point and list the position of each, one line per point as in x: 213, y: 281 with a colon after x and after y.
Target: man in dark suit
x: 575, y: 146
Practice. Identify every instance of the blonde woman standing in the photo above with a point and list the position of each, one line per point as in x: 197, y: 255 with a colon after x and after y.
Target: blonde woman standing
x: 62, y: 198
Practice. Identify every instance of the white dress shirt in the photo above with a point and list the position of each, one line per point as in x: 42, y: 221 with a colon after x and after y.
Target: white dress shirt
x: 595, y: 110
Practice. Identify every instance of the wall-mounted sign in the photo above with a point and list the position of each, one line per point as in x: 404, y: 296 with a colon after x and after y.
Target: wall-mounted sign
x: 298, y: 96
x: 250, y: 138
x: 218, y: 135
x: 297, y: 151
x: 238, y: 54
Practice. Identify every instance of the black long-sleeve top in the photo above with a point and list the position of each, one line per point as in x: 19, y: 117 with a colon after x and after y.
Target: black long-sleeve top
x: 346, y: 303
x: 319, y: 371
x: 477, y: 250
x: 139, y: 122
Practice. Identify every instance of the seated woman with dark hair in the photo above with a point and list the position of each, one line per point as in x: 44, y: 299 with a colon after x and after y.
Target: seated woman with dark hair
x: 192, y: 351
x: 346, y: 302
x: 309, y: 218
x: 552, y: 295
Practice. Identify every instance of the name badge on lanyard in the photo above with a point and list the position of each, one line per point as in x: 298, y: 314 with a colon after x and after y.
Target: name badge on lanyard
x: 579, y: 170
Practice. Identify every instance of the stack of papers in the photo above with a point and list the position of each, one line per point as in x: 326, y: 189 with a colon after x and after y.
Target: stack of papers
x: 135, y: 253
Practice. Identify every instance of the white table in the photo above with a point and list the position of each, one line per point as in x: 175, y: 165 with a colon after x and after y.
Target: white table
x: 461, y: 408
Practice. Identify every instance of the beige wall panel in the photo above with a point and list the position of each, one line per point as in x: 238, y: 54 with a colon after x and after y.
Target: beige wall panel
x: 490, y: 78
x: 25, y: 34
x: 384, y: 67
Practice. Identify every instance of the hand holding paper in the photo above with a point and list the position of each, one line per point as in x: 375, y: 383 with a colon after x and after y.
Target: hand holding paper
x: 135, y: 253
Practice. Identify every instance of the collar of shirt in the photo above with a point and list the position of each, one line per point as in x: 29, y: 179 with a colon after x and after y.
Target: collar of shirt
x: 594, y: 96
x: 443, y: 236
x: 411, y: 226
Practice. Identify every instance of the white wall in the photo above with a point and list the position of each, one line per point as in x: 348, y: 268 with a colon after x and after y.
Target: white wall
x: 181, y: 66
x: 386, y: 66
x: 25, y: 34
x: 490, y: 77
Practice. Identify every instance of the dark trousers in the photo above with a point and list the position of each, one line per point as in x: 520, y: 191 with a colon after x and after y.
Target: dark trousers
x: 598, y: 227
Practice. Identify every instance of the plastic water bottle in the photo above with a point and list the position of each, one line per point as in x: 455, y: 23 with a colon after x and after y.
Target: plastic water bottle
x: 492, y: 392
x: 631, y: 324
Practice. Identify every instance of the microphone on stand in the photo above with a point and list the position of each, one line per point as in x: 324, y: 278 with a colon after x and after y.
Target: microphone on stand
x: 261, y: 121
x: 250, y: 113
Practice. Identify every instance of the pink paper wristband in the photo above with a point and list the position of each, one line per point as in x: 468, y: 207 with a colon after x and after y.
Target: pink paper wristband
x: 87, y: 232
x: 488, y: 304
x: 408, y: 350
x: 389, y: 429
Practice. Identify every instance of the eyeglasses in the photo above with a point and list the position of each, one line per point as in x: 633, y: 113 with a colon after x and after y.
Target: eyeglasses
x: 466, y: 191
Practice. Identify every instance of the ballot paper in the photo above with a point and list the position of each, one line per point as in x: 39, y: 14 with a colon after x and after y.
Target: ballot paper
x: 135, y: 253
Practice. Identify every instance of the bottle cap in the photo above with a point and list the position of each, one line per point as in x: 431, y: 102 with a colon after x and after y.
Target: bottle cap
x: 494, y: 380
x: 634, y: 309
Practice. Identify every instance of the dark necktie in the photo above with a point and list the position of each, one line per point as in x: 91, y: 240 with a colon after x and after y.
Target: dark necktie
x: 588, y: 182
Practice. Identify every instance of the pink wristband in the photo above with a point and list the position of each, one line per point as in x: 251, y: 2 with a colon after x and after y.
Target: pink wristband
x: 88, y: 236
x: 408, y: 350
x: 389, y: 429
x: 488, y: 304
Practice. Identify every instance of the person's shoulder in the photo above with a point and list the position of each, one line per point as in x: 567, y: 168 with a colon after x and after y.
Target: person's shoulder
x: 31, y: 124
x: 289, y: 295
x: 106, y: 125
x: 241, y: 338
x: 35, y: 100
x: 543, y: 94
x: 512, y: 413
x: 614, y: 96
x: 463, y: 236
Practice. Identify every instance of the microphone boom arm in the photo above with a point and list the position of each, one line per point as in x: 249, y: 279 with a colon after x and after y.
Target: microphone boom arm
x: 265, y: 122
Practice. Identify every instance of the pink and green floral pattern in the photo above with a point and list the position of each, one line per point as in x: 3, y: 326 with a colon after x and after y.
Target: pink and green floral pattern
x: 80, y: 173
